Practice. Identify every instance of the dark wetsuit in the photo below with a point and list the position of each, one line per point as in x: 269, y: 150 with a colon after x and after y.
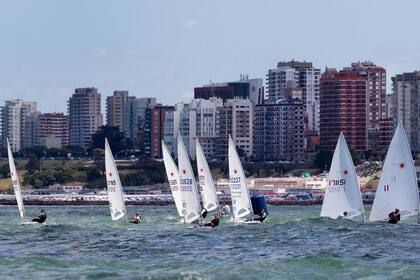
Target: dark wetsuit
x: 261, y: 218
x: 135, y: 221
x: 41, y: 218
x: 213, y: 223
x: 394, y: 218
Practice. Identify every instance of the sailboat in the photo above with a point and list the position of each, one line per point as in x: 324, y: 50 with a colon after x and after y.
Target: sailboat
x: 397, y: 186
x: 241, y: 202
x: 342, y: 196
x: 16, y: 185
x: 190, y: 200
x: 173, y: 178
x: 208, y: 190
x: 113, y: 182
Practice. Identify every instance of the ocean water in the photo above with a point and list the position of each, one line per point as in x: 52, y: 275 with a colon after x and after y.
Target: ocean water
x: 80, y: 242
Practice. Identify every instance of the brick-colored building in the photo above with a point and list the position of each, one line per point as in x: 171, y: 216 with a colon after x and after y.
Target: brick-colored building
x: 343, y: 108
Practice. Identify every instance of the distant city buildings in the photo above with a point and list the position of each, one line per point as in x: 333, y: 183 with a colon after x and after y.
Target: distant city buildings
x: 85, y: 117
x: 343, y: 108
x: 154, y: 130
x: 48, y: 130
x: 406, y: 105
x: 279, y: 131
x: 115, y: 108
x: 296, y: 79
x: 243, y: 89
x: 13, y: 119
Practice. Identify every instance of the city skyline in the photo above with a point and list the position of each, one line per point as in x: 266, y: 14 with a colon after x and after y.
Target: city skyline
x: 50, y: 49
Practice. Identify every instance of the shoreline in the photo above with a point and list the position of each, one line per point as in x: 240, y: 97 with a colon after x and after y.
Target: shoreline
x: 156, y: 202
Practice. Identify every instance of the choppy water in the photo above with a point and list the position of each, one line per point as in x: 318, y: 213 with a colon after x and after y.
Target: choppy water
x: 80, y: 242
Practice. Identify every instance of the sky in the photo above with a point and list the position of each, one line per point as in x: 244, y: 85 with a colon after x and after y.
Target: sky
x: 166, y: 48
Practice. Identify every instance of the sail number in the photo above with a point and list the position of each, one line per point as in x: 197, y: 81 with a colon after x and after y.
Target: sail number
x: 111, y: 185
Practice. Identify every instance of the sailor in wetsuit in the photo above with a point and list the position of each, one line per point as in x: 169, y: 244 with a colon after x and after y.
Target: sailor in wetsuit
x: 262, y: 216
x: 41, y: 218
x: 213, y: 223
x: 394, y: 216
x: 135, y: 219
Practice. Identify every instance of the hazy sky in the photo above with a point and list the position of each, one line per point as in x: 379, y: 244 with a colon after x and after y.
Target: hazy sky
x: 166, y: 48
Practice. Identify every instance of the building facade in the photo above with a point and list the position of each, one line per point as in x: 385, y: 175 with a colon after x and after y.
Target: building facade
x: 135, y: 117
x: 155, y: 130
x: 245, y: 88
x: 292, y: 76
x: 85, y: 117
x: 406, y: 105
x: 13, y: 119
x: 279, y: 131
x: 115, y: 107
x: 235, y: 118
x: 375, y: 97
x: 48, y: 130
x: 343, y: 108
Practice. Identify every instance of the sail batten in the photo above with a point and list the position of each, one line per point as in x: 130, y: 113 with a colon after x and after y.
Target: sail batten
x: 188, y: 186
x: 208, y: 190
x: 173, y: 178
x: 114, y: 187
x: 397, y: 186
x: 342, y: 195
x: 241, y: 203
x: 15, y: 182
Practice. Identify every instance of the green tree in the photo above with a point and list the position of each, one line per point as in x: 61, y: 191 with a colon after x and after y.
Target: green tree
x: 33, y: 164
x: 115, y: 137
x: 323, y: 159
x: 5, y: 170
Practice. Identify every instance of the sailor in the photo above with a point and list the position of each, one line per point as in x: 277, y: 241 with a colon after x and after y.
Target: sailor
x: 261, y: 216
x: 394, y: 216
x: 135, y: 219
x: 213, y: 223
x: 41, y: 217
x: 204, y: 213
x: 342, y: 216
x: 225, y: 210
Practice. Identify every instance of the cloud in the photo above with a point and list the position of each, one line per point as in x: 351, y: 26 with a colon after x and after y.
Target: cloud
x: 192, y: 23
x: 102, y: 52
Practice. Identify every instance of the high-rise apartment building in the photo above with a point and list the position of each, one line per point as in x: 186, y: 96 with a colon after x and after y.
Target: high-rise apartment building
x: 154, y: 130
x: 13, y: 118
x: 193, y: 120
x: 406, y: 105
x: 375, y: 97
x: 343, y: 108
x: 48, y: 130
x: 235, y: 118
x: 135, y: 117
x: 85, y: 117
x: 115, y: 108
x: 279, y: 131
x: 291, y: 76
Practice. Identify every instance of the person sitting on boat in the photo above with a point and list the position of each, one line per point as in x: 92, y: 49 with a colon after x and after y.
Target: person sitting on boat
x: 135, y: 219
x: 213, y: 223
x: 394, y: 216
x: 41, y: 217
x: 204, y: 213
x: 225, y: 210
x: 261, y: 216
x: 342, y: 216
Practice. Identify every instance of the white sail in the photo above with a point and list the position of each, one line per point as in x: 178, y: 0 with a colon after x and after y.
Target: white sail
x: 173, y: 178
x: 188, y: 186
x: 397, y: 187
x: 208, y: 191
x: 241, y: 203
x: 15, y: 182
x: 342, y: 193
x: 113, y: 182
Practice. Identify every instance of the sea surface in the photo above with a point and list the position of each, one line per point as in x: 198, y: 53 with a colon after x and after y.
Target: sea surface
x: 80, y: 242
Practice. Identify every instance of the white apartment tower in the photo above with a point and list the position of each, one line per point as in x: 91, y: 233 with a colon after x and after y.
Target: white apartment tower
x: 14, y: 114
x: 291, y: 76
